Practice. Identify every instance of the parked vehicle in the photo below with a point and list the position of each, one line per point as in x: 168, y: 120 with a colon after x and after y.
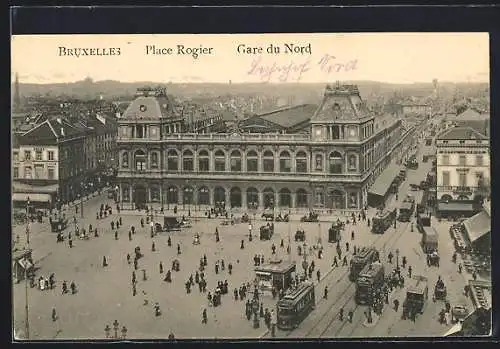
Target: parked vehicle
x: 311, y: 217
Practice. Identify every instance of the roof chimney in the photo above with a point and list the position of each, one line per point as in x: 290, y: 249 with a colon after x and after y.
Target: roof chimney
x: 62, y: 131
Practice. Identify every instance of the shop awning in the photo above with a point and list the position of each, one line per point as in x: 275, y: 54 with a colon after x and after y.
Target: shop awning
x: 477, y: 226
x: 26, y: 188
x: 384, y: 180
x: 35, y: 197
x: 455, y: 207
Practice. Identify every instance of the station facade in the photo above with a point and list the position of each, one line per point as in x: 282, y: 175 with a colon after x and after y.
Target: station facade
x: 328, y: 169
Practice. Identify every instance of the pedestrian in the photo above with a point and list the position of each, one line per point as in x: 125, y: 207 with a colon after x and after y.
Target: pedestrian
x: 460, y: 268
x: 119, y: 219
x: 169, y: 241
x: 335, y: 263
x: 205, y: 259
x: 282, y: 244
x: 116, y: 235
x: 347, y: 247
x: 318, y: 275
x: 54, y: 314
x: 144, y: 276
x: 474, y: 275
x: 95, y: 233
x: 352, y: 235
x: 128, y: 258
x: 262, y: 259
x: 134, y: 290
x: 396, y: 305
x: 153, y: 247
x: 112, y: 225
x: 217, y: 267
x: 325, y: 294
x: 73, y: 287
x: 341, y: 314
x: 70, y: 242
x: 161, y: 268
x: 344, y: 261
x: 135, y: 263
x: 350, y: 315
x: 133, y: 277
x: 230, y: 268
x: 104, y: 262
x: 129, y: 235
x: 204, y: 316
x: 242, y: 246
x: 178, y: 249
x: 222, y: 265
x: 409, y: 271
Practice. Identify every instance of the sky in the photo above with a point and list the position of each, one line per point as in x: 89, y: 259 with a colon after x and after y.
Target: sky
x: 314, y: 58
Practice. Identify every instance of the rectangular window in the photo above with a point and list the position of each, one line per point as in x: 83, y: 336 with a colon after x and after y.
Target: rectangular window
x: 235, y: 165
x: 172, y: 164
x: 38, y: 155
x: 50, y: 155
x: 268, y: 165
x: 38, y: 171
x: 27, y: 172
x: 51, y: 173
x: 445, y: 159
x: 220, y: 164
x: 27, y: 155
x: 462, y: 160
x: 462, y: 179
x: 479, y: 160
x: 16, y: 156
x: 15, y: 172
x: 446, y: 178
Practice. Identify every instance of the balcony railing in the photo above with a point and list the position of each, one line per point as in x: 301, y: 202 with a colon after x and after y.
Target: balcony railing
x: 242, y: 176
x: 457, y: 189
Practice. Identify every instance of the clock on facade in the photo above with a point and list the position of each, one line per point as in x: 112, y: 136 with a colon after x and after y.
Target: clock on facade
x: 143, y: 108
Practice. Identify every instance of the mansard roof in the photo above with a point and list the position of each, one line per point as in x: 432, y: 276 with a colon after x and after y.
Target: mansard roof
x: 341, y: 103
x: 150, y: 104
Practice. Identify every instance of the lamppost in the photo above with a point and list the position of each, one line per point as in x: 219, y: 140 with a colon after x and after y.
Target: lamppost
x: 304, y: 262
x: 81, y: 199
x: 397, y: 258
x: 116, y: 326
x: 27, y: 322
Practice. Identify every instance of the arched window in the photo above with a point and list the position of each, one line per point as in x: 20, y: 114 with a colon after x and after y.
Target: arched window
x: 301, y: 162
x: 352, y: 163
x: 236, y: 162
x: 140, y: 160
x: 154, y: 160
x: 172, y: 195
x: 285, y: 162
x: 268, y: 161
x: 252, y: 198
x: 125, y: 160
x: 302, y: 198
x: 172, y: 160
x: 446, y: 198
x: 187, y: 161
x: 336, y: 199
x: 235, y: 197
x: 220, y: 197
x: 285, y: 198
x: 220, y: 161
x: 203, y: 196
x: 335, y: 162
x: 187, y: 195
x: 203, y: 162
x: 252, y: 161
x: 269, y: 198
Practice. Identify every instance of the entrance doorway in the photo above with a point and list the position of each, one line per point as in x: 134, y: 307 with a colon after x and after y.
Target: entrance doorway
x: 140, y: 197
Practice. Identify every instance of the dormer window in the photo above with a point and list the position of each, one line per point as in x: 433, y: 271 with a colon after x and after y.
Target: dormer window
x: 142, y: 108
x: 336, y: 107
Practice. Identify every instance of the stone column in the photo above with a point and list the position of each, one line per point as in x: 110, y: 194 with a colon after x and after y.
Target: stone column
x: 260, y: 166
x: 228, y: 198
x: 293, y: 199
x: 261, y: 199
x: 243, y: 199
x: 211, y: 196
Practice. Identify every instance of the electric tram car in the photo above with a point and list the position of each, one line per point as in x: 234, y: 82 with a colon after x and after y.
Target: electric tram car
x: 295, y: 306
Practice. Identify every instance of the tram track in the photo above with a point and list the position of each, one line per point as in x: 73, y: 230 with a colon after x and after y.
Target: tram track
x: 317, y: 330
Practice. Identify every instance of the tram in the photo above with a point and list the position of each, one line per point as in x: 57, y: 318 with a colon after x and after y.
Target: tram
x: 295, y: 306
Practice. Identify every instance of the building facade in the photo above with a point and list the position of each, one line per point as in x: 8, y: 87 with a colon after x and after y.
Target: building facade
x: 50, y: 161
x: 329, y: 169
x: 463, y: 164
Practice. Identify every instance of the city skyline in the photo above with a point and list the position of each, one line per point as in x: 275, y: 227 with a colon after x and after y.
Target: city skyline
x: 407, y: 58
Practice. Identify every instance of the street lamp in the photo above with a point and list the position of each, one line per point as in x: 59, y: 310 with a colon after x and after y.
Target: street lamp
x: 304, y: 262
x: 27, y: 322
x: 81, y: 199
x: 397, y: 258
x: 116, y: 326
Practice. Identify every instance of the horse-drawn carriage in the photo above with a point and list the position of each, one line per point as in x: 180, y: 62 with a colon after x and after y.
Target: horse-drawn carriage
x: 58, y: 224
x: 433, y: 259
x: 300, y: 235
x: 268, y: 216
x: 266, y: 231
x: 284, y: 218
x: 334, y: 231
x: 311, y: 217
x: 440, y: 292
x: 245, y: 218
